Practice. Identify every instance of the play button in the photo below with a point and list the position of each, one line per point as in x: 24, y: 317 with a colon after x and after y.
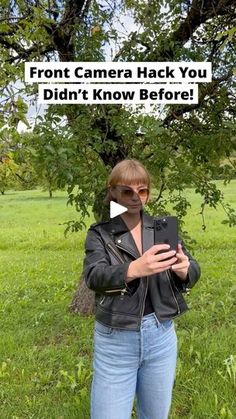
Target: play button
x: 116, y: 209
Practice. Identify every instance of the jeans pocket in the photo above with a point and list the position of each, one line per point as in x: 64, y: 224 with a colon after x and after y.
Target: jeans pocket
x: 167, y: 324
x: 103, y: 330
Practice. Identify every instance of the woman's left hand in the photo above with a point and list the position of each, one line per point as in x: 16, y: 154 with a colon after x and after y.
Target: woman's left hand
x: 180, y: 268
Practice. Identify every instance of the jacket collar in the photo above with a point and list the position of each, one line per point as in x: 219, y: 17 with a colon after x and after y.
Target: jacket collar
x: 124, y: 239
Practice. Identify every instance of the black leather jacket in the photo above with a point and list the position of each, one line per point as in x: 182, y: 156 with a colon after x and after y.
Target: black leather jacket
x: 109, y: 250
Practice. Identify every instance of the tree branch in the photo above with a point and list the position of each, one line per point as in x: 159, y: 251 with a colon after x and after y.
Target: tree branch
x: 61, y: 34
x: 204, y: 90
x: 199, y: 13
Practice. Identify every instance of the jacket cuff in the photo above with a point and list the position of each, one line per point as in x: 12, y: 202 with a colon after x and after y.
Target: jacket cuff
x: 182, y: 284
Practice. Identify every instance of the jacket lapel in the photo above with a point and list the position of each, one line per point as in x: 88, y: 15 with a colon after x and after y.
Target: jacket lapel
x: 124, y: 239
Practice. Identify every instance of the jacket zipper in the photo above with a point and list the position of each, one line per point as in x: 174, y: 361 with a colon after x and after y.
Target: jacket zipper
x: 175, y: 299
x: 103, y: 298
x: 115, y: 253
x: 121, y: 290
x: 120, y: 259
x: 127, y: 251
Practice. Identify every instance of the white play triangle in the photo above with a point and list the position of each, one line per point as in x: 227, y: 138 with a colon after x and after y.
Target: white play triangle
x: 116, y: 209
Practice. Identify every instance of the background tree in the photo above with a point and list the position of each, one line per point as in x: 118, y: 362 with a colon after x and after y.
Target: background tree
x: 187, y: 135
x: 9, y: 177
x: 182, y: 145
x: 7, y: 170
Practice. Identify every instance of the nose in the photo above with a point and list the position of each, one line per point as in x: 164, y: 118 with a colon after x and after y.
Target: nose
x: 135, y: 196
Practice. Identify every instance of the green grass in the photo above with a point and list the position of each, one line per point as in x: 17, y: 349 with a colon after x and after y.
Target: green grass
x: 45, y: 351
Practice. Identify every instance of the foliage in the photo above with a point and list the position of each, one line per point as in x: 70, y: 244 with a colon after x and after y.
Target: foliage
x: 7, y: 171
x: 47, y: 156
x: 182, y: 145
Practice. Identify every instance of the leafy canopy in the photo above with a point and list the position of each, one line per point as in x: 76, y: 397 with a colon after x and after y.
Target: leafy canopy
x: 181, y: 145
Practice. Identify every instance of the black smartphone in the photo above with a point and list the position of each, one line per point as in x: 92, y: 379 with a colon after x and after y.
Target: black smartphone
x: 166, y: 231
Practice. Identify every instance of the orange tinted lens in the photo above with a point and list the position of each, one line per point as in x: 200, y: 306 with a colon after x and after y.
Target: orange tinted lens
x: 143, y: 192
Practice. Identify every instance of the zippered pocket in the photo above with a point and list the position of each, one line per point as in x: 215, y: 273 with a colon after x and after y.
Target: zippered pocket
x: 118, y: 256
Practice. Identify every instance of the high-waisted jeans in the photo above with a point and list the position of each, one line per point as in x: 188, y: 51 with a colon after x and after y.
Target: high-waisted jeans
x: 129, y: 363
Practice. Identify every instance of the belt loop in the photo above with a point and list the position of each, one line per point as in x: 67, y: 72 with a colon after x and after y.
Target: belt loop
x: 158, y: 323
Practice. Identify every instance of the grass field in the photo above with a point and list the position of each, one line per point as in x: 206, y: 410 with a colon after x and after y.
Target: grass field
x: 45, y: 351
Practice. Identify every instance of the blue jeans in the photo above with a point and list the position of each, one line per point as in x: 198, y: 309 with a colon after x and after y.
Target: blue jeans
x: 129, y: 363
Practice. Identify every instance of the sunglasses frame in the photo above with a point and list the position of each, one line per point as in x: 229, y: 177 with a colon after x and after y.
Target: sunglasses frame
x: 129, y: 189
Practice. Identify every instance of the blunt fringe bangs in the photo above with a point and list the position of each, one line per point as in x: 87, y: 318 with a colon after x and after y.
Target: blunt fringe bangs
x: 129, y: 172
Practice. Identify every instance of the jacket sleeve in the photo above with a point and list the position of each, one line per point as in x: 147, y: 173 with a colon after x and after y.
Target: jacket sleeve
x: 194, y: 273
x: 99, y: 274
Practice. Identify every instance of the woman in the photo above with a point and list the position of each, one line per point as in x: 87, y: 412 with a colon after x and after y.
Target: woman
x: 138, y: 293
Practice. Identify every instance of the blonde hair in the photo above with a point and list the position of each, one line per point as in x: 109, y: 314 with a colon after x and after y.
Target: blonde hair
x: 128, y: 172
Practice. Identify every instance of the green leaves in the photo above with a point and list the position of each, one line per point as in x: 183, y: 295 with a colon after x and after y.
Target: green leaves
x: 75, y: 146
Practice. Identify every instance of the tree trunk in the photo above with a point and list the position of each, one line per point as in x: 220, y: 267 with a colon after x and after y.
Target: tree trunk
x: 83, y: 301
x: 3, y: 192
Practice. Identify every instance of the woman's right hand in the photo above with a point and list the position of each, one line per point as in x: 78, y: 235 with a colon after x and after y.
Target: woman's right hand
x: 151, y: 262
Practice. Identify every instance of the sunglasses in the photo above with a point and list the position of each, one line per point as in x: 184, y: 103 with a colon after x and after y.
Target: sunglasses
x: 128, y: 192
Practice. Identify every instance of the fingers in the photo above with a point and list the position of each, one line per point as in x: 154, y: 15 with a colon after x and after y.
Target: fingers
x: 157, y: 248
x: 180, y: 250
x: 150, y: 264
x: 166, y: 255
x: 166, y: 264
x: 181, y: 265
x: 182, y: 257
x: 161, y: 260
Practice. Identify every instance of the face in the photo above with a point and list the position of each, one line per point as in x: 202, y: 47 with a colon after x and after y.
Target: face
x: 132, y: 196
